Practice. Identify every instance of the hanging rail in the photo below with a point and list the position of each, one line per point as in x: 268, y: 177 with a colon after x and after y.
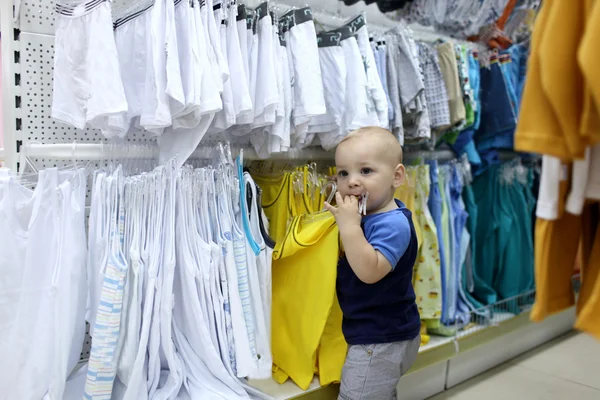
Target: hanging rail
x: 100, y: 151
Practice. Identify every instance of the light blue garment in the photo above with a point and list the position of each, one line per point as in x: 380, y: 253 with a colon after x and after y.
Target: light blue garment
x: 474, y: 77
x: 102, y: 367
x: 435, y: 208
x: 244, y: 207
x: 451, y: 279
x: 460, y: 229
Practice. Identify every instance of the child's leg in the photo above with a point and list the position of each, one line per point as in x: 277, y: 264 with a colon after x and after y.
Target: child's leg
x: 372, y: 372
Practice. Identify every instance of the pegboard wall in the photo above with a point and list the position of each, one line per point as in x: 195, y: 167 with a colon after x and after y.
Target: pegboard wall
x: 33, y: 68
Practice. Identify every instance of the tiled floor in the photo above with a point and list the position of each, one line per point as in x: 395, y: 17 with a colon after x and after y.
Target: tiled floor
x: 566, y: 368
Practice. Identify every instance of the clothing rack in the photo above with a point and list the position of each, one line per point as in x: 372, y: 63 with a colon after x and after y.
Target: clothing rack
x: 100, y: 151
x: 35, y: 31
x: 375, y: 20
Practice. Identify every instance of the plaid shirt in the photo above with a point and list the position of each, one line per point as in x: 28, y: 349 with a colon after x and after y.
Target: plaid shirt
x: 435, y: 87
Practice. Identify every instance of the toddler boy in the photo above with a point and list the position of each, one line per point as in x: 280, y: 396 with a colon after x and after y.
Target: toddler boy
x: 374, y: 283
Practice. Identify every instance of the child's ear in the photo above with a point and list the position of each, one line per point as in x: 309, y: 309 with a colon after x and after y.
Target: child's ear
x: 399, y: 174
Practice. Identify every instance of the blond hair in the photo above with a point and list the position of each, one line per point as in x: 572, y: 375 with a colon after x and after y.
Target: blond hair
x: 390, y: 146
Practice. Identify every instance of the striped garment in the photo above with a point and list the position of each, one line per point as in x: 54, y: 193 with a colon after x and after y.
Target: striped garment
x: 102, y: 366
x: 241, y: 262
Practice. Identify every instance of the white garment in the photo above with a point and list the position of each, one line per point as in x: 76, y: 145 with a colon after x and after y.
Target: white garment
x: 154, y: 361
x: 174, y: 86
x: 242, y: 102
x: 190, y: 68
x: 274, y: 138
x: 309, y: 100
x: 87, y: 86
x: 259, y: 277
x: 171, y: 371
x: 205, y: 372
x: 30, y: 225
x: 214, y: 35
x: 131, y: 35
x: 334, y: 73
x: 70, y: 312
x: 156, y: 112
x: 243, y: 33
x: 377, y: 100
x: 357, y: 105
x: 136, y: 387
x: 245, y: 363
x: 226, y: 117
x: 586, y: 180
x: 98, y: 243
x: 266, y: 92
x: 181, y: 143
x: 135, y: 274
x: 548, y: 195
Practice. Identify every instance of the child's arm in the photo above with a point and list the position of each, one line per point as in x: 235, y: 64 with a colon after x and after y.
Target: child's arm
x: 369, y: 265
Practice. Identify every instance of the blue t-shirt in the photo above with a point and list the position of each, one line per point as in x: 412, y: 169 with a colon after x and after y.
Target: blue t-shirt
x: 383, y: 312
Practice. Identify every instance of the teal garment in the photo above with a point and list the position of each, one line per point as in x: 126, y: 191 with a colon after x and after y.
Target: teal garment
x: 477, y: 291
x: 515, y: 269
x: 504, y: 258
x: 488, y: 226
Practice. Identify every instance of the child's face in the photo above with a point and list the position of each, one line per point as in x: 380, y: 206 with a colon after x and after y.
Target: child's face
x: 363, y: 166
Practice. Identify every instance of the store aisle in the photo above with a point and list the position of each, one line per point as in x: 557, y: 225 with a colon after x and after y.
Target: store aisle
x: 565, y: 368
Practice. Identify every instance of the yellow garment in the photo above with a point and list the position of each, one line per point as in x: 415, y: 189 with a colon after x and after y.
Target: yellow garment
x: 556, y: 247
x: 305, y: 316
x: 449, y: 67
x: 588, y: 58
x: 588, y: 303
x: 538, y: 130
x: 277, y: 196
x: 561, y: 77
x: 427, y: 279
x: 333, y: 347
x: 406, y: 193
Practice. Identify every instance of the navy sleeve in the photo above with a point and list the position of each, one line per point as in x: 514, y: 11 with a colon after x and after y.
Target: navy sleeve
x: 390, y: 235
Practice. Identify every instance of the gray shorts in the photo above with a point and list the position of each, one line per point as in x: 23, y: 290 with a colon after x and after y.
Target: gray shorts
x: 372, y: 372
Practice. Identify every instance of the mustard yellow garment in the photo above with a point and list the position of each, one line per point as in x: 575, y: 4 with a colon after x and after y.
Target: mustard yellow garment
x: 427, y: 279
x: 562, y: 79
x: 304, y: 278
x: 589, y: 58
x: 333, y: 347
x: 406, y: 193
x: 588, y: 303
x: 556, y: 247
x: 538, y: 129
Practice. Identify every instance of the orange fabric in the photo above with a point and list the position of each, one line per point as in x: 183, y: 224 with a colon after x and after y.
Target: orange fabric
x: 499, y: 41
x: 588, y: 58
x: 510, y: 6
x: 538, y: 129
x: 557, y: 244
x: 562, y: 80
x: 588, y: 304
